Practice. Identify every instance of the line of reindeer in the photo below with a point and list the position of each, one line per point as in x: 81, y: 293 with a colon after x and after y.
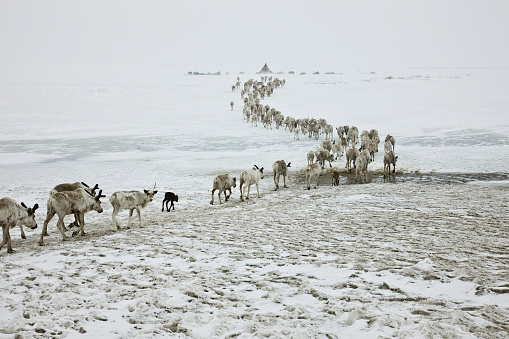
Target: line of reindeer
x: 348, y: 136
x: 75, y: 199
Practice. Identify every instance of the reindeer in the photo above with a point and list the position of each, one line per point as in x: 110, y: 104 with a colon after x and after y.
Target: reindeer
x: 250, y: 177
x: 78, y: 202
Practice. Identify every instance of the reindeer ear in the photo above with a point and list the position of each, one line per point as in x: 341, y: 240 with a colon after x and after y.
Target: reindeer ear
x: 23, y: 204
x: 155, y: 192
x: 146, y: 192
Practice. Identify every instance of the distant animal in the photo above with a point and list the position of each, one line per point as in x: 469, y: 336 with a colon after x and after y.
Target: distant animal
x: 223, y: 183
x: 342, y: 141
x: 351, y: 155
x: 77, y: 202
x: 387, y: 147
x: 372, y: 150
x: 13, y: 214
x: 341, y: 131
x: 312, y: 171
x: 311, y: 157
x: 337, y: 150
x: 326, y: 144
x: 328, y: 130
x: 130, y: 200
x: 390, y: 138
x: 390, y: 158
x: 248, y: 178
x: 279, y: 167
x: 231, y: 104
x: 335, y: 176
x: 322, y: 155
x: 361, y: 165
x: 169, y: 197
x: 353, y: 136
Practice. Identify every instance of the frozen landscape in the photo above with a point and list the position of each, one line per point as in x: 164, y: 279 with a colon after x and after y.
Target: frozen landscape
x: 422, y: 255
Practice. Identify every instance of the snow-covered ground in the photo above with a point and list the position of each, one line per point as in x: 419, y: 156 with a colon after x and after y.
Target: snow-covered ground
x: 422, y: 256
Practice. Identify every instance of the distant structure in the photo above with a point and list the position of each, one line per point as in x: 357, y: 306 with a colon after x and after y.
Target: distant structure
x: 265, y: 69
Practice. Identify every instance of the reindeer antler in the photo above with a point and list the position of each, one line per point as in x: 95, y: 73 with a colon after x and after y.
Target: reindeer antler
x: 154, y: 186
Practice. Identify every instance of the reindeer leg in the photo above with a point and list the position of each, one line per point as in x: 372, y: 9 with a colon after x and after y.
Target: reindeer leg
x: 44, y: 232
x: 23, y: 236
x: 6, y: 239
x: 114, y: 220
x: 60, y: 226
x: 139, y: 215
x: 212, y: 201
x: 81, y: 222
x: 130, y: 217
x: 7, y: 235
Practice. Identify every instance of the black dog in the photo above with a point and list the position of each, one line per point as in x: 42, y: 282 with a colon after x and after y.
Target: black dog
x: 170, y: 197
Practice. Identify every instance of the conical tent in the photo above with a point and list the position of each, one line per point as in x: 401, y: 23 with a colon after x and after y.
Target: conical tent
x: 265, y: 69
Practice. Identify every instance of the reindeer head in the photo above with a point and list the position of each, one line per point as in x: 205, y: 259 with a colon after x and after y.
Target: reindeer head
x: 150, y: 194
x: 29, y: 220
x: 96, y: 205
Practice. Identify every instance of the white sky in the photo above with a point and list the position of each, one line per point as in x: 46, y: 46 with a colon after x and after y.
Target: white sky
x: 242, y: 35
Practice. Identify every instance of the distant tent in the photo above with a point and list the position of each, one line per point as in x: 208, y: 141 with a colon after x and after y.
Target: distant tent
x: 265, y: 69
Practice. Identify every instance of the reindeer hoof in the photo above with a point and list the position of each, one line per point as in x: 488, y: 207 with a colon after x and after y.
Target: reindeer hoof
x: 23, y: 237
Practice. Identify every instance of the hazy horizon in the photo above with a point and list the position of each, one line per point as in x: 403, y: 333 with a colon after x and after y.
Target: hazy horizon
x: 228, y: 35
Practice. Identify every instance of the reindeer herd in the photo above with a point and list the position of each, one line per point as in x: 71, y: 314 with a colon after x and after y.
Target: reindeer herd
x: 78, y: 198
x: 328, y: 151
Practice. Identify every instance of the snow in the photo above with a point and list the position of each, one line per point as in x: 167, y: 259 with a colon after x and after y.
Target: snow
x: 421, y: 256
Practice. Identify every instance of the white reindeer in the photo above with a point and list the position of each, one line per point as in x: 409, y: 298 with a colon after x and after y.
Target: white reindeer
x: 130, y: 200
x: 311, y: 157
x: 250, y: 177
x: 312, y: 170
x: 64, y: 203
x: 13, y: 214
x: 361, y: 165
